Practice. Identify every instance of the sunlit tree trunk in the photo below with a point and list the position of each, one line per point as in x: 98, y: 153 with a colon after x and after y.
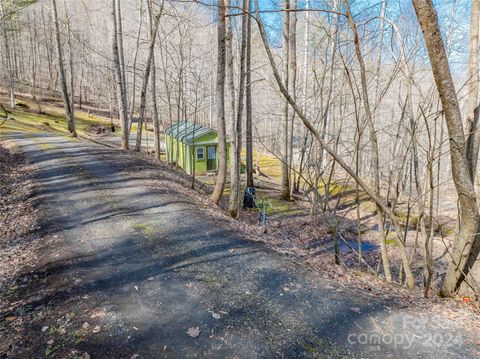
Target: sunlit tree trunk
x: 220, y: 107
x: 135, y: 59
x: 473, y: 133
x: 8, y: 58
x: 235, y: 188
x: 154, y: 22
x: 284, y: 138
x: 156, y: 119
x: 292, y: 49
x: 463, y: 272
x: 306, y: 42
x: 248, y: 104
x: 121, y: 96
x: 63, y: 79
x: 121, y: 51
x: 70, y: 63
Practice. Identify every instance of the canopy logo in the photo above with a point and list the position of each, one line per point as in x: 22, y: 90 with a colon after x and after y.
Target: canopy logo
x: 402, y: 331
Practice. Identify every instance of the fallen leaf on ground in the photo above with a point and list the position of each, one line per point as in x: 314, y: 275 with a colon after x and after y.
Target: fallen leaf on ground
x: 193, y: 332
x: 85, y: 325
x: 216, y: 315
x: 96, y: 329
x: 99, y: 314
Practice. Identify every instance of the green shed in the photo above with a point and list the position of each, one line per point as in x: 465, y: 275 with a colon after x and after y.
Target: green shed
x: 194, y: 146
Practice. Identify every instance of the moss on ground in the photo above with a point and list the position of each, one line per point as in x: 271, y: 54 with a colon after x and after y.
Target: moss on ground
x: 52, y: 117
x: 47, y: 146
x: 146, y: 230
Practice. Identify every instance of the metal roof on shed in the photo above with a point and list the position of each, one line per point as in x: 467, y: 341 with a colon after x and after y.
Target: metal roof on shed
x: 186, y: 131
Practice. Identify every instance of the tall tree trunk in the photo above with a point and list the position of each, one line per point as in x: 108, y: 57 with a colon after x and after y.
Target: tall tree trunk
x: 121, y: 51
x: 33, y: 65
x: 156, y: 120
x: 143, y: 96
x: 230, y: 73
x: 374, y: 143
x: 473, y: 133
x: 168, y: 91
x: 380, y: 48
x: 220, y: 105
x: 61, y: 69
x: 306, y: 45
x: 121, y: 96
x: 235, y: 187
x: 463, y: 273
x: 70, y: 63
x: 285, y: 179
x: 419, y: 188
x: 8, y: 58
x: 292, y: 46
x: 135, y: 58
x: 248, y: 104
x: 327, y: 109
x: 48, y: 45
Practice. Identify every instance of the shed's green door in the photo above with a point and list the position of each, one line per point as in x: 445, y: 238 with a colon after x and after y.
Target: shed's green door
x: 211, y: 158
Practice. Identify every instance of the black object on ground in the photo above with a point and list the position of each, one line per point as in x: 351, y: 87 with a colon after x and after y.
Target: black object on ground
x: 249, y: 198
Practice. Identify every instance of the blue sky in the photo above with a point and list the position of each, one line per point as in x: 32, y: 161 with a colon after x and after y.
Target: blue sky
x: 454, y: 16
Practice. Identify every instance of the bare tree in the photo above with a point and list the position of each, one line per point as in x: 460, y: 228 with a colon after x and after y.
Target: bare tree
x: 154, y: 22
x: 121, y: 51
x: 292, y: 73
x: 369, y: 191
x: 120, y: 87
x: 135, y: 60
x: 220, y: 104
x: 373, y: 141
x: 8, y: 58
x: 473, y: 133
x: 463, y: 271
x: 69, y: 110
x: 235, y: 186
x: 248, y: 103
x: 284, y: 138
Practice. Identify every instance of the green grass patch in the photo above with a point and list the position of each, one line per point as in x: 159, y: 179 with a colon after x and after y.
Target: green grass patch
x: 368, y: 206
x: 54, y: 118
x: 14, y: 126
x: 334, y: 188
x: 144, y: 229
x: 47, y: 146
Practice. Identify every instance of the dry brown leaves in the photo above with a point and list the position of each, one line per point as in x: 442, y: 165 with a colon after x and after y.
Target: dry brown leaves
x: 18, y: 218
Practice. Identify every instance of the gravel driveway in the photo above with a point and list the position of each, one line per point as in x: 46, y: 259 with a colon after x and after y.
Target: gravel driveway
x: 142, y: 264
